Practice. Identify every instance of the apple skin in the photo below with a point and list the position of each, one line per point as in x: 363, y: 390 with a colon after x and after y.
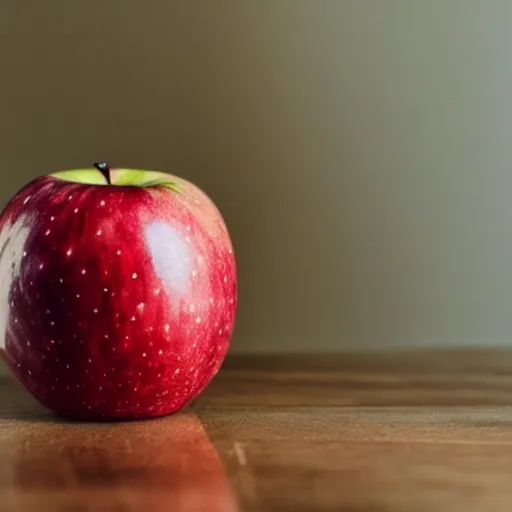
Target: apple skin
x: 116, y: 302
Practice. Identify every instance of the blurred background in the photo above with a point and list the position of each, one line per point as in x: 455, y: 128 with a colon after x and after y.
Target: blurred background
x: 359, y: 150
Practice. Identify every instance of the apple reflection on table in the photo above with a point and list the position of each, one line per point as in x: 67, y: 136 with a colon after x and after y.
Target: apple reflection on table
x: 158, y: 465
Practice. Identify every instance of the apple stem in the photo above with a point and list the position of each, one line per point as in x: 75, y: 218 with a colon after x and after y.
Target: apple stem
x: 104, y: 168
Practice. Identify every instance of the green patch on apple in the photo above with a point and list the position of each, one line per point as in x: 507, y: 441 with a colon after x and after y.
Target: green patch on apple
x: 118, y: 177
x: 84, y: 176
x: 141, y: 178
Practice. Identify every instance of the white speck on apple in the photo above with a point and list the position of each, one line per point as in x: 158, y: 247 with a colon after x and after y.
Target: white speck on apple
x: 225, y: 279
x: 220, y: 331
x: 52, y: 342
x: 135, y: 275
x: 76, y: 210
x: 48, y: 231
x: 84, y: 271
x: 194, y: 273
x: 52, y: 218
x: 140, y: 306
x: 95, y: 310
x: 160, y: 352
x: 192, y: 308
x: 167, y: 327
x: 144, y: 354
x: 69, y: 252
x: 157, y: 291
x: 27, y: 199
x: 198, y: 320
x: 98, y: 233
x: 41, y: 266
x: 133, y: 319
x: 118, y: 252
x: 102, y: 203
x: 176, y: 371
x: 105, y: 290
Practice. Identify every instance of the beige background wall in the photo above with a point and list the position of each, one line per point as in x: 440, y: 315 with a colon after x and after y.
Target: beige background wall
x: 360, y: 150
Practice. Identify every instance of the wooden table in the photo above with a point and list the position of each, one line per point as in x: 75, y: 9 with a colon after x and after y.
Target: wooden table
x: 405, y: 432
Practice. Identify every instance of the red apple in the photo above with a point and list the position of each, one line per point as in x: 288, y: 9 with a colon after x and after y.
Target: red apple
x: 118, y: 292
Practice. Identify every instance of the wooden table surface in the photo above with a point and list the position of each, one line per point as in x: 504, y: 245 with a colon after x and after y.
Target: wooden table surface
x: 405, y: 432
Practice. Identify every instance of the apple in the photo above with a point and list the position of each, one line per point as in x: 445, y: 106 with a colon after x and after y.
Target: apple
x: 118, y: 292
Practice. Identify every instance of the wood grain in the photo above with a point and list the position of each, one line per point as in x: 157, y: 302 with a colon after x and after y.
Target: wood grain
x: 396, y: 432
